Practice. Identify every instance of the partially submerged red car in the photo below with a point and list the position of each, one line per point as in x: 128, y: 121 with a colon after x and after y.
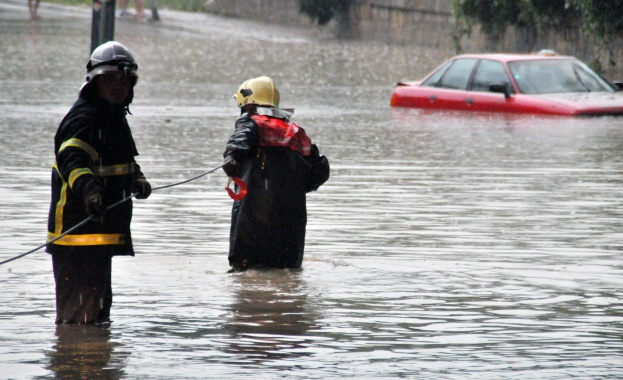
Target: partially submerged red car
x: 542, y: 83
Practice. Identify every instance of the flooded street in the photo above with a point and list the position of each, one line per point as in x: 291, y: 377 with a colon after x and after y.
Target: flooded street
x: 444, y: 246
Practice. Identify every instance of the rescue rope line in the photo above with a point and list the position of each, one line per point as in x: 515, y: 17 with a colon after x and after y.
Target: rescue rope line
x: 191, y: 179
x: 108, y: 208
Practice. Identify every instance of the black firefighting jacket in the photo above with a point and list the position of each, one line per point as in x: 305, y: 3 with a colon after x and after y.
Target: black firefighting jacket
x: 268, y: 225
x: 93, y: 142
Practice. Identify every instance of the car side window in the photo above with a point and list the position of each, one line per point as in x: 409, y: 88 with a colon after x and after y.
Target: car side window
x: 434, y: 79
x: 457, y: 76
x: 489, y: 72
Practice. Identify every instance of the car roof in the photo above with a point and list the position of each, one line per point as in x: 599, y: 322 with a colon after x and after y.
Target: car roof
x: 515, y: 57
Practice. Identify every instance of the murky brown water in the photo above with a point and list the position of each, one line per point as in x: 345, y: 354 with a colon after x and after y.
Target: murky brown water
x: 444, y: 246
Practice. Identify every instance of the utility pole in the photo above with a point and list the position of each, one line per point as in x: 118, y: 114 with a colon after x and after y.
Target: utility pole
x: 154, y: 10
x: 103, y: 26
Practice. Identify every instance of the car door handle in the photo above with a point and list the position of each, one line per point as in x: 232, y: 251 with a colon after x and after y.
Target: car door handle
x: 433, y: 98
x: 470, y: 101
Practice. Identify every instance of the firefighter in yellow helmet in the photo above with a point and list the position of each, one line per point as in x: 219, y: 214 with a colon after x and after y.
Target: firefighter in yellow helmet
x: 258, y: 91
x: 279, y: 164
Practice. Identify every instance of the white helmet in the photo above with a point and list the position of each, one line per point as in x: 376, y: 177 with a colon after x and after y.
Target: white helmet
x: 109, y: 57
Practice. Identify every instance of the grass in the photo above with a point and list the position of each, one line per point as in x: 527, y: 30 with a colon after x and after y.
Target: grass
x: 178, y: 5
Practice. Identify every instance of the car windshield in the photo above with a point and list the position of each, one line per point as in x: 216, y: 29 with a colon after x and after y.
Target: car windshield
x: 556, y: 76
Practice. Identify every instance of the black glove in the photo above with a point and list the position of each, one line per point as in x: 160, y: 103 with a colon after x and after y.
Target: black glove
x: 231, y: 167
x: 93, y: 195
x: 142, y: 188
x: 315, y: 153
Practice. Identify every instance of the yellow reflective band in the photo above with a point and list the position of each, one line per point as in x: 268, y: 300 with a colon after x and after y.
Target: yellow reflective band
x: 87, y: 239
x: 76, y: 173
x: 55, y: 167
x: 60, y: 208
x: 77, y: 143
x: 121, y: 169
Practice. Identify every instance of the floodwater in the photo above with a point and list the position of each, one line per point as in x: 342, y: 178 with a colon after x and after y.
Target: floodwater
x: 444, y: 246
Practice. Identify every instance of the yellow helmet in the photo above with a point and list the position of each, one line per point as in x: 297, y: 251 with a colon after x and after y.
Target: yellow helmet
x: 261, y: 91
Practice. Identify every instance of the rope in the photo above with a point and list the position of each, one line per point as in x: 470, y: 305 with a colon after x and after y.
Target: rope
x: 189, y: 180
x: 108, y: 208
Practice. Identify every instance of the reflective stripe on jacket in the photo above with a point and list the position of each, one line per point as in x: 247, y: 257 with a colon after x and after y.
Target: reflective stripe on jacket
x: 92, y: 143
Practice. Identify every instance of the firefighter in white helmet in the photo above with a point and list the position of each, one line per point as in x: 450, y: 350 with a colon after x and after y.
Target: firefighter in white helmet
x: 94, y: 167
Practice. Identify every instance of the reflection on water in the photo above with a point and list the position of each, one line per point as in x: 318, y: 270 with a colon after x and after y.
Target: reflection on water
x: 86, y: 352
x: 444, y: 246
x: 269, y: 317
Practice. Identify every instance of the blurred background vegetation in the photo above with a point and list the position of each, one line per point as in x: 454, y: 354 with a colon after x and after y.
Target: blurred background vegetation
x: 179, y: 5
x: 600, y: 18
x: 599, y: 21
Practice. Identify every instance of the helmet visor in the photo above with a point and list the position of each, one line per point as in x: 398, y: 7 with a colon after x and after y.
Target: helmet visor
x: 124, y: 71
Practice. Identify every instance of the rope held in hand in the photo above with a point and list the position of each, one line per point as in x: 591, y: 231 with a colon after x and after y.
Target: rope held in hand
x: 108, y: 208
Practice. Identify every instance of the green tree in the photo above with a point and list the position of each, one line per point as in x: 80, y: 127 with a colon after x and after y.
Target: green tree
x: 601, y: 19
x: 495, y: 16
x: 604, y: 18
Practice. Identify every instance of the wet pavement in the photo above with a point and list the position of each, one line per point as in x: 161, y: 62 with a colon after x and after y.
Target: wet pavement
x: 444, y: 246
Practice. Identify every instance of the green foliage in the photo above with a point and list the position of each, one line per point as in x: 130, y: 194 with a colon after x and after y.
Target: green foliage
x: 602, y: 18
x: 70, y: 2
x: 494, y: 16
x: 180, y: 5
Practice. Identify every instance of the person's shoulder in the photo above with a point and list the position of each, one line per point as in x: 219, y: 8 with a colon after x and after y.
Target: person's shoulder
x: 245, y: 124
x: 245, y: 118
x: 83, y: 106
x: 81, y: 112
